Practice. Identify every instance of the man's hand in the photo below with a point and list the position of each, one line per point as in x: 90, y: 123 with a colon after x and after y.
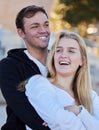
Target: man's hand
x: 45, y: 124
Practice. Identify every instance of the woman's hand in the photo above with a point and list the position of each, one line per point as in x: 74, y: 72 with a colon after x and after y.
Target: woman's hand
x: 75, y: 109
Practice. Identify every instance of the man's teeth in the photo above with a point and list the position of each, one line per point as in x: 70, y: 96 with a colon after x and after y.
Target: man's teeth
x: 42, y: 38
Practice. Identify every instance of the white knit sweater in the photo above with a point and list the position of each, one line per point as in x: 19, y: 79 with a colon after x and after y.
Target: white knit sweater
x: 49, y: 102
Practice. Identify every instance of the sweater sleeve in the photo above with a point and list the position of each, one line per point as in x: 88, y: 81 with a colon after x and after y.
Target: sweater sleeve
x: 42, y: 96
x: 19, y: 110
x: 91, y: 122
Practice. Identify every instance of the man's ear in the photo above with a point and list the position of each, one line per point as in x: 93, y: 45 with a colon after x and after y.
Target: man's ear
x: 21, y: 33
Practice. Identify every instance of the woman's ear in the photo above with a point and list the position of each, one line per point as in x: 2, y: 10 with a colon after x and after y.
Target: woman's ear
x: 83, y: 61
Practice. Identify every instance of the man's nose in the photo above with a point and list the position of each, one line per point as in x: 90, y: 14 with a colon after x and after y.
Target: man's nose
x: 42, y: 29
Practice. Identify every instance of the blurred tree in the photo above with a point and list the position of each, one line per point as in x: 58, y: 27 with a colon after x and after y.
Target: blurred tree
x: 74, y: 14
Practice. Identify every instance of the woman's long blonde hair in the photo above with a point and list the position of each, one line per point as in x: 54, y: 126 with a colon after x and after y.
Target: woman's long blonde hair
x: 82, y: 82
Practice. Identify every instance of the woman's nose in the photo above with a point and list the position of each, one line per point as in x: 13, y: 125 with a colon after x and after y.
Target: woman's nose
x: 64, y: 54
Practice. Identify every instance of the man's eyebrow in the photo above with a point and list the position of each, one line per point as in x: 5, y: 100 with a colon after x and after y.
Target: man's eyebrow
x: 38, y: 23
x: 34, y: 23
x: 46, y: 22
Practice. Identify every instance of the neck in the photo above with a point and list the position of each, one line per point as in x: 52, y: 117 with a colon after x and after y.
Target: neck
x: 64, y: 83
x: 40, y: 55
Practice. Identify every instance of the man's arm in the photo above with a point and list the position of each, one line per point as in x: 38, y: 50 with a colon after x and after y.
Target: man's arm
x: 16, y: 100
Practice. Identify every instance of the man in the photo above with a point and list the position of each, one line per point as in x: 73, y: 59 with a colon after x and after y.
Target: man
x: 33, y: 27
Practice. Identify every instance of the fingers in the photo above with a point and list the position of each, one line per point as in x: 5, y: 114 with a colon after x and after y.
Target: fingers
x: 45, y: 124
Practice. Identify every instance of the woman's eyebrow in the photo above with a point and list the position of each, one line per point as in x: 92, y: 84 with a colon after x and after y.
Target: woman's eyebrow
x: 74, y: 48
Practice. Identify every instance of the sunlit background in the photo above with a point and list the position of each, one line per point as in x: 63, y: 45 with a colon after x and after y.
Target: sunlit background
x: 81, y: 16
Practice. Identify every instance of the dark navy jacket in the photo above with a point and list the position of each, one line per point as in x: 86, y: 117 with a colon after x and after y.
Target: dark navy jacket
x: 15, y: 68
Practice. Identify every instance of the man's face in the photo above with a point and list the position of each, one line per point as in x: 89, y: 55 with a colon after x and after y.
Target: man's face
x: 36, y: 31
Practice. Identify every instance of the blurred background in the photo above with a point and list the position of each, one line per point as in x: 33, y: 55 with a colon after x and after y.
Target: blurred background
x: 80, y: 16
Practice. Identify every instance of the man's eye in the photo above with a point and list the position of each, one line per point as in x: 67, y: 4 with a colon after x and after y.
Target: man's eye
x: 46, y: 25
x: 34, y: 27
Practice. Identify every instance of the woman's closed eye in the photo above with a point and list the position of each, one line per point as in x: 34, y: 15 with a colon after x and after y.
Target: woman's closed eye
x: 72, y: 51
x: 58, y: 50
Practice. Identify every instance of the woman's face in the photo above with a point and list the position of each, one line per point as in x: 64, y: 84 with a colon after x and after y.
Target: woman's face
x: 67, y: 57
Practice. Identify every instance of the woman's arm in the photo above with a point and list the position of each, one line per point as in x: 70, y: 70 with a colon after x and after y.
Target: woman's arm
x: 42, y: 96
x: 91, y: 122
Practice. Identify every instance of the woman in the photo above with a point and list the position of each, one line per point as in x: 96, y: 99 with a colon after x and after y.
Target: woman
x: 66, y: 100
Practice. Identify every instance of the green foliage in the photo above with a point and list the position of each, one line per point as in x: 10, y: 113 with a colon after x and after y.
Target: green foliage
x: 68, y: 2
x: 78, y: 11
